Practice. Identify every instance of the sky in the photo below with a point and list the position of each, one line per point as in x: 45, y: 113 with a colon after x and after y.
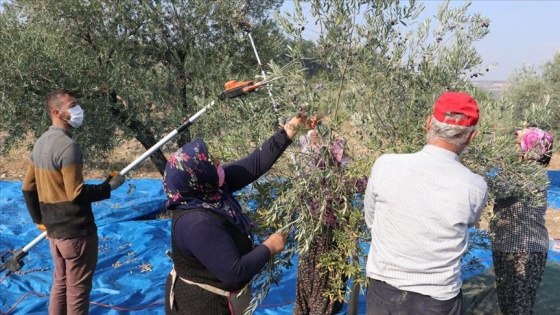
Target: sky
x: 521, y: 32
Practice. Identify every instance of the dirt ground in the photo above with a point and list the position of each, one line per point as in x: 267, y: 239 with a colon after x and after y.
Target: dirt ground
x: 13, y: 166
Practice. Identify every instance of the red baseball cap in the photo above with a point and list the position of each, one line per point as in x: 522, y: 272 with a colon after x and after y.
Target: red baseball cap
x: 459, y: 103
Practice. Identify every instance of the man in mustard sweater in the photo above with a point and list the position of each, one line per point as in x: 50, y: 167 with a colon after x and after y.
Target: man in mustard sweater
x: 59, y: 202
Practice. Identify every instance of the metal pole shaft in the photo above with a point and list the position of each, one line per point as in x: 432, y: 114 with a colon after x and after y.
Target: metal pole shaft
x: 166, y: 139
x: 263, y: 72
x: 34, y: 242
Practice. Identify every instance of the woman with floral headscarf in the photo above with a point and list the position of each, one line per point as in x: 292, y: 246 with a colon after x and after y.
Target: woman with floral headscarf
x: 519, y: 235
x: 212, y: 250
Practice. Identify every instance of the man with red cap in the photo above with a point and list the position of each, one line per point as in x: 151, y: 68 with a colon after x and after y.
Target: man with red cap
x: 419, y: 207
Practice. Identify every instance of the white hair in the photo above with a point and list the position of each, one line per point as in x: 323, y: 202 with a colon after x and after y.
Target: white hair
x: 454, y: 134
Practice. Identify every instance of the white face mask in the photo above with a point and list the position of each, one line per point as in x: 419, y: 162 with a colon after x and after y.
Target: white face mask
x: 76, y: 116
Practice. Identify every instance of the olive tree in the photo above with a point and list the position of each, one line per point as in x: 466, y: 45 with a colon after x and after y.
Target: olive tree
x: 531, y: 99
x: 138, y: 67
x: 534, y: 92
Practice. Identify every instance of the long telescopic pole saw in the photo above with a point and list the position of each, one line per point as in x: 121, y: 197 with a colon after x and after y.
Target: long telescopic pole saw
x: 247, y: 29
x: 16, y: 261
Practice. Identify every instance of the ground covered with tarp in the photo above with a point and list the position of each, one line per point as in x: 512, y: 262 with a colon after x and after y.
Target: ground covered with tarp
x: 133, y: 265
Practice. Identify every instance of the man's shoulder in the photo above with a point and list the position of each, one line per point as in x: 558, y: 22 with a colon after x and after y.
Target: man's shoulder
x: 394, y: 157
x: 57, y: 143
x: 56, y: 135
x: 479, y: 180
x: 473, y: 179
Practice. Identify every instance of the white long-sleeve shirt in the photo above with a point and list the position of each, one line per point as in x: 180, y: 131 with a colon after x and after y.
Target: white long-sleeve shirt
x: 419, y: 207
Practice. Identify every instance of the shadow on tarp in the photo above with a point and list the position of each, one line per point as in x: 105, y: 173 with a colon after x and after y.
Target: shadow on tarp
x: 132, y: 268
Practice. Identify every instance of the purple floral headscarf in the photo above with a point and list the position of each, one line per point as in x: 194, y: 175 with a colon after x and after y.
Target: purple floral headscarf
x: 535, y: 143
x: 191, y: 180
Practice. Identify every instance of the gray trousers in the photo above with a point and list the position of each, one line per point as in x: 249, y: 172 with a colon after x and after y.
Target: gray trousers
x: 74, y: 260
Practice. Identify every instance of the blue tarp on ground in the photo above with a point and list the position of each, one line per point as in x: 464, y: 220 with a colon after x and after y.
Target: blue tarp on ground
x: 554, y: 189
x: 132, y: 267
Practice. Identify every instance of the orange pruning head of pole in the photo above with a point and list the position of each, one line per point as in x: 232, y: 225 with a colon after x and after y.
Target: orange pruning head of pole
x: 234, y: 89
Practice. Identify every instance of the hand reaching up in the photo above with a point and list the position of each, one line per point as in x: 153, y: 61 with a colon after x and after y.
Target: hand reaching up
x: 301, y: 121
